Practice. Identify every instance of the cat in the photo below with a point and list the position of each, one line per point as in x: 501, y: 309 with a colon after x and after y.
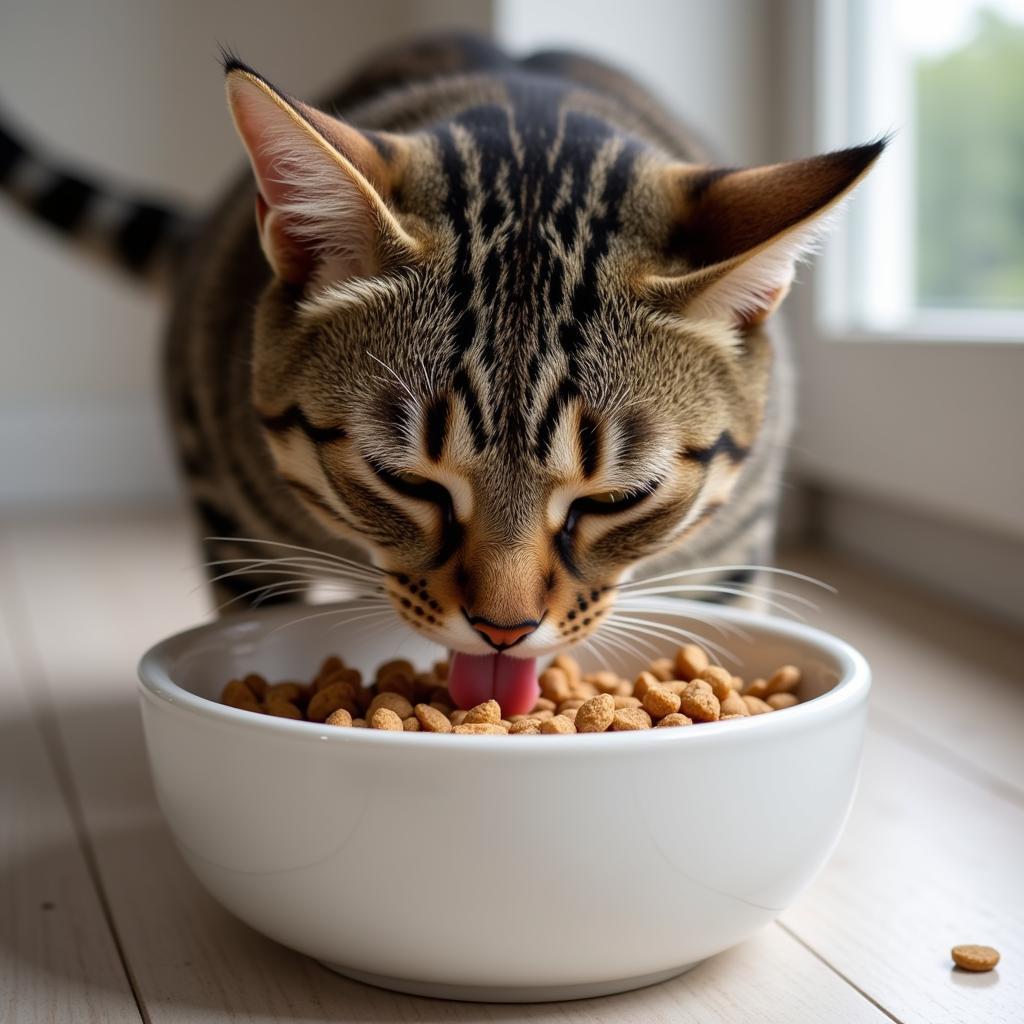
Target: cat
x: 498, y: 333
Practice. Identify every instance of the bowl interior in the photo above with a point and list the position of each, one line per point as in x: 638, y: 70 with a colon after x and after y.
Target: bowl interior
x: 290, y: 643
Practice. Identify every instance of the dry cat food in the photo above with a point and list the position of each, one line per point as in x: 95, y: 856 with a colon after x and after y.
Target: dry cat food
x: 670, y: 692
x: 975, y: 958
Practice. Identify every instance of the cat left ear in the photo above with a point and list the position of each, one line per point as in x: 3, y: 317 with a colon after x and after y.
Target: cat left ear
x: 322, y: 184
x: 743, y: 231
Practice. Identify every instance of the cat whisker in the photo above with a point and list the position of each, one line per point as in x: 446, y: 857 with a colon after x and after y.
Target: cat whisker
x: 705, y: 570
x: 292, y: 574
x: 305, y: 567
x: 748, y: 591
x: 275, y: 590
x: 405, y: 386
x: 664, y: 631
x: 378, y: 613
x: 611, y: 648
x: 605, y: 650
x: 732, y: 591
x: 334, y: 612
x: 721, y: 625
x: 621, y: 633
x: 339, y: 559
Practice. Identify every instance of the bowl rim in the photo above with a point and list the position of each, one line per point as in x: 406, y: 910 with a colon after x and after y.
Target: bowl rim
x: 156, y: 685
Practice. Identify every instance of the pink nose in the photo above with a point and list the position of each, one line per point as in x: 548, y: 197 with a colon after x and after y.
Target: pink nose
x: 503, y: 636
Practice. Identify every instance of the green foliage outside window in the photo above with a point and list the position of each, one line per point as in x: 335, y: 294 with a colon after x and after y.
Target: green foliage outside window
x: 970, y: 170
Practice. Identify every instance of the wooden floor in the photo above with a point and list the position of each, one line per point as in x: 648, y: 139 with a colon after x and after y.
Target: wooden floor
x: 101, y: 922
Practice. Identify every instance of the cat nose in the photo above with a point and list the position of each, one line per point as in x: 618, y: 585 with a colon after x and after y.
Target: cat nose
x: 500, y: 637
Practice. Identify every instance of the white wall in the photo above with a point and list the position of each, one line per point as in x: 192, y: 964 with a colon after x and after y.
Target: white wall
x: 132, y: 89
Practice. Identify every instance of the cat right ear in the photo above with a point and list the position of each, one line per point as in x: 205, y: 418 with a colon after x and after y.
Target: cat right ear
x: 323, y: 185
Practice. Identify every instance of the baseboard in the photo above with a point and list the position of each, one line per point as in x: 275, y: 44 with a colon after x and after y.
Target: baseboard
x: 976, y: 567
x: 74, y: 455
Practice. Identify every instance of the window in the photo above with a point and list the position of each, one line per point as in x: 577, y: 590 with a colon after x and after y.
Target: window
x: 934, y: 247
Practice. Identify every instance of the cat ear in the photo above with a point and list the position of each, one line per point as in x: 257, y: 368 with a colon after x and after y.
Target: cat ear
x: 322, y: 184
x: 744, y: 230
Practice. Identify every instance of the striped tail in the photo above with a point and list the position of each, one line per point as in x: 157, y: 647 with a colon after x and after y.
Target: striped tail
x: 141, y: 237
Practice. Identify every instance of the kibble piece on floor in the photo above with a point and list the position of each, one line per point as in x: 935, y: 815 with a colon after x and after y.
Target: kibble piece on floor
x: 975, y: 958
x: 596, y: 714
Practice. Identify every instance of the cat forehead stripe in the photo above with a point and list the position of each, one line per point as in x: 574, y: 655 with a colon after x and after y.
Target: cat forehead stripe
x: 533, y: 189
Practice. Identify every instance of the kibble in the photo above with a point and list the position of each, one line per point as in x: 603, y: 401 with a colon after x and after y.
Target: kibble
x: 385, y: 718
x: 975, y: 958
x: 432, y: 719
x: 629, y: 719
x: 659, y: 701
x: 699, y: 703
x: 340, y: 717
x: 669, y: 693
x: 558, y: 724
x: 597, y: 714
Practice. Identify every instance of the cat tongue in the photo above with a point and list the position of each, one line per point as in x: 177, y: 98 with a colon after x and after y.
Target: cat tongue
x: 512, y: 682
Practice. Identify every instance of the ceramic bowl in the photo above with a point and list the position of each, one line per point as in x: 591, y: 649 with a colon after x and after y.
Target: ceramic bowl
x: 499, y: 868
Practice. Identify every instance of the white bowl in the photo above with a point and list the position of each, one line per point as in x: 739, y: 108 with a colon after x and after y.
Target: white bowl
x: 499, y: 868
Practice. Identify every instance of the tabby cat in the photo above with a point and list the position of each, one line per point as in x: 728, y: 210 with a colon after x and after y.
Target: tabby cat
x: 498, y: 333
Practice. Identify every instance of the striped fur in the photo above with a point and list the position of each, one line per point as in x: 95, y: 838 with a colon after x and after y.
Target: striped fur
x: 520, y: 375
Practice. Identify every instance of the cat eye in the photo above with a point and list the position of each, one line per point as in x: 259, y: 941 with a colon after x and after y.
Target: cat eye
x: 412, y: 479
x: 413, y: 485
x: 607, y: 497
x: 606, y: 503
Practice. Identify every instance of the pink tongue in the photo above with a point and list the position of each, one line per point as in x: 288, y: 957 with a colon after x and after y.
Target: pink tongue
x: 512, y: 682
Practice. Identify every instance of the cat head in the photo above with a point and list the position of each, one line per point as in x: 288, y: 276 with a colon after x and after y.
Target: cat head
x: 515, y: 351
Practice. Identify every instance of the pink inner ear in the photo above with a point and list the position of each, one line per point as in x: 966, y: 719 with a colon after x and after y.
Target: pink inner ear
x: 771, y: 301
x: 288, y: 258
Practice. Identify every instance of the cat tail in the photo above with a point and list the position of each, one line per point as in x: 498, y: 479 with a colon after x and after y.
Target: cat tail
x: 141, y: 236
